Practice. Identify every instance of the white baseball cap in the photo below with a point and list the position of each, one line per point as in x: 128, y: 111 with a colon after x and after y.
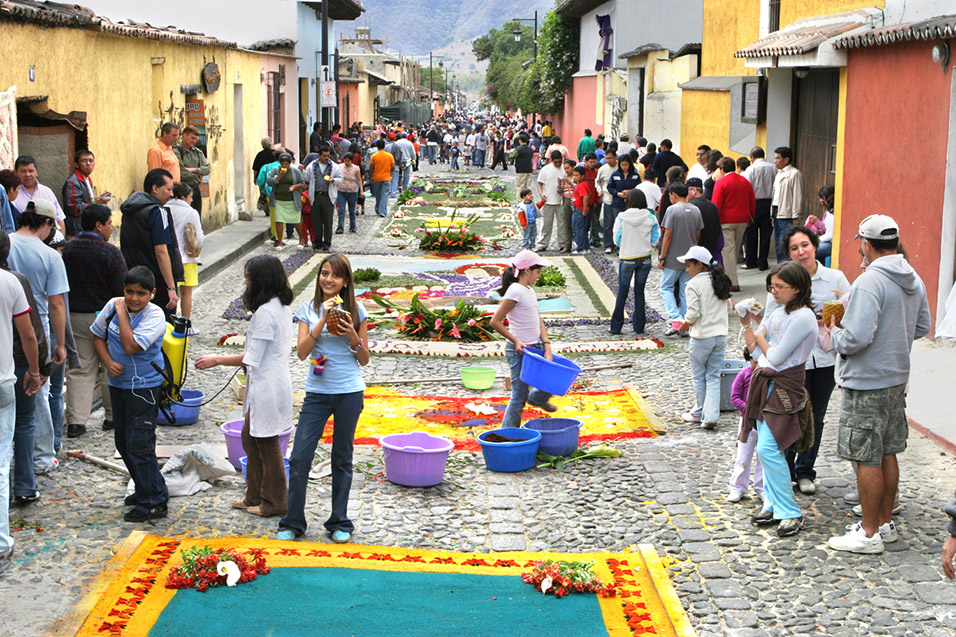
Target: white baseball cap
x: 878, y: 227
x: 697, y: 253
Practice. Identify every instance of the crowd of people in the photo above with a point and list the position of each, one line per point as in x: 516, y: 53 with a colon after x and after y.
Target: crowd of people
x: 86, y: 312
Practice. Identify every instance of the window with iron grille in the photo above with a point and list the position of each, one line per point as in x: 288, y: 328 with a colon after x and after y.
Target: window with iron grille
x: 275, y: 107
x: 774, y: 16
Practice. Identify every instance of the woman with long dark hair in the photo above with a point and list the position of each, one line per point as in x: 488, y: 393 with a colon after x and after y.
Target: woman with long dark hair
x: 267, y: 408
x: 777, y: 400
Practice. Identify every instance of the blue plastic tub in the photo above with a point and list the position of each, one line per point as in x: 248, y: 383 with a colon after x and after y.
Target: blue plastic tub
x: 554, y: 377
x: 242, y: 462
x: 186, y: 414
x: 559, y: 436
x: 509, y: 457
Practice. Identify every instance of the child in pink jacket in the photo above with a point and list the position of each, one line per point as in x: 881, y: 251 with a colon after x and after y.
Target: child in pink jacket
x: 745, y: 450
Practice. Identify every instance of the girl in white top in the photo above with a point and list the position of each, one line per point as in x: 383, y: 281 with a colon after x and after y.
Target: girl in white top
x: 520, y: 305
x: 786, y: 338
x: 183, y: 214
x: 708, y: 295
x: 267, y: 408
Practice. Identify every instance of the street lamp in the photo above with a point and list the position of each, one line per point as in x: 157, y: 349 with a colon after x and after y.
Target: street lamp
x: 517, y: 33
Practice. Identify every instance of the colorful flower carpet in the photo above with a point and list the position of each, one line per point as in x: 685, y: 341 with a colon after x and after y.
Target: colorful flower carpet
x: 606, y: 415
x: 374, y: 590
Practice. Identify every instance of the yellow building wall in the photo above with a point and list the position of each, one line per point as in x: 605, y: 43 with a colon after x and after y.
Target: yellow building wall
x: 127, y: 98
x: 793, y: 10
x: 729, y: 25
x: 705, y: 119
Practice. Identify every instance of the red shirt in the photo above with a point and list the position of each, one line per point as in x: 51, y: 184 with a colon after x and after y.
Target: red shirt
x: 734, y: 198
x: 582, y: 190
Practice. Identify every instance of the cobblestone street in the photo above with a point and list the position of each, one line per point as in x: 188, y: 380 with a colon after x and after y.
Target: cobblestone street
x: 732, y: 577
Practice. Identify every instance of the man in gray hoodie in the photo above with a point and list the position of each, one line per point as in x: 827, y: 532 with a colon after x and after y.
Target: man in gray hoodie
x: 886, y: 311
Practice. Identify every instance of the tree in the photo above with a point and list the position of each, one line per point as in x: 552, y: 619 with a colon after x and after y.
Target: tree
x: 507, y: 59
x: 436, y: 72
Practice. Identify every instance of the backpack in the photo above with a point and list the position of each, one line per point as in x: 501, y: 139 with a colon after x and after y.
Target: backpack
x: 192, y: 247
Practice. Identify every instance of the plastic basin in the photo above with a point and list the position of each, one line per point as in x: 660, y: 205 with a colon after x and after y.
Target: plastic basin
x: 415, y: 459
x: 554, y: 377
x: 509, y: 457
x: 186, y: 414
x: 728, y: 372
x: 242, y: 463
x: 232, y: 430
x: 478, y: 377
x: 559, y: 436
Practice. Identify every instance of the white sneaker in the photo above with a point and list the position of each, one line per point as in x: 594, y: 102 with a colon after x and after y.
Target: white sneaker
x: 856, y: 541
x: 689, y: 417
x: 806, y: 486
x: 192, y: 331
x: 735, y: 495
x: 608, y: 250
x: 888, y: 532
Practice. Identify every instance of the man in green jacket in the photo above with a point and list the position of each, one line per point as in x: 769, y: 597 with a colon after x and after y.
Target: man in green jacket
x: 193, y: 165
x: 586, y: 145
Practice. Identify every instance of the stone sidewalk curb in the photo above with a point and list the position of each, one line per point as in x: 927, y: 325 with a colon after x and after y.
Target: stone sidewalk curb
x: 226, y: 245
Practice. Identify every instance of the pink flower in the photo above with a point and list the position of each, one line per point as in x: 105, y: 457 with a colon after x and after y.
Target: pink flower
x: 403, y: 318
x: 437, y: 323
x: 455, y: 332
x: 471, y: 322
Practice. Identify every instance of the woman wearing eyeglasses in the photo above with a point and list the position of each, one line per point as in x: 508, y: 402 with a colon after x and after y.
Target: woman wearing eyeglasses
x: 777, y: 400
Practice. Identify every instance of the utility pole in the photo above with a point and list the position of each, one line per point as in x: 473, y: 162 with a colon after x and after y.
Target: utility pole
x: 324, y: 112
x: 431, y: 86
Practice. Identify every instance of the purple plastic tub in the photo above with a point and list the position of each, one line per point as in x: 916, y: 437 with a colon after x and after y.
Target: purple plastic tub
x: 559, y: 436
x: 415, y: 459
x: 232, y: 430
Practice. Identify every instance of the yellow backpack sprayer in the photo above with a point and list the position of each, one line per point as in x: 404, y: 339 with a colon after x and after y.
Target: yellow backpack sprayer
x: 175, y: 345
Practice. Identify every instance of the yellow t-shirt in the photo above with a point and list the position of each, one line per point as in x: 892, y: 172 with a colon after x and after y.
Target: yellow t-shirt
x: 381, y: 165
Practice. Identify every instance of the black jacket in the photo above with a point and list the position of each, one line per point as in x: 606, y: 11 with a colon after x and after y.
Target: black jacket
x: 43, y: 348
x: 136, y: 241
x: 710, y: 235
x: 522, y: 162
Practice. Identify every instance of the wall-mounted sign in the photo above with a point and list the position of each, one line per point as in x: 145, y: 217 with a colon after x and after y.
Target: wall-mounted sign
x: 753, y: 102
x: 195, y: 113
x: 190, y: 89
x: 327, y: 95
x: 211, y: 77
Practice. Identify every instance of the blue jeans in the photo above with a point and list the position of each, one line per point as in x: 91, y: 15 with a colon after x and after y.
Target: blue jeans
x: 706, y: 357
x: 529, y: 237
x: 776, y: 475
x: 406, y: 175
x: 346, y: 199
x: 56, y: 403
x: 134, y: 433
x: 316, y: 409
x: 825, y: 250
x: 24, y: 480
x: 393, y: 184
x: 610, y: 214
x: 579, y: 229
x: 638, y: 269
x: 432, y: 153
x: 671, y: 277
x: 521, y: 392
x: 480, y: 157
x: 380, y: 192
x: 779, y: 228
x: 8, y: 417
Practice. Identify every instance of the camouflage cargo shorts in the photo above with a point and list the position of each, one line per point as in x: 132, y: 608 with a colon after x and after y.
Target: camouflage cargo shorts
x: 872, y: 424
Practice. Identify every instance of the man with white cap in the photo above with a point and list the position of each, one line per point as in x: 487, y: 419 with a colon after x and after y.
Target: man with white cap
x: 886, y: 311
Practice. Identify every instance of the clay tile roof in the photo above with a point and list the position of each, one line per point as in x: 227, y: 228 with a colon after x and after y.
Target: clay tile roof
x: 56, y: 14
x: 804, y: 36
x: 938, y: 28
x: 271, y: 45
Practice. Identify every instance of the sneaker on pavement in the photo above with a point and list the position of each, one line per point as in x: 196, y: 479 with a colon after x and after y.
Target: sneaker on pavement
x: 689, y: 417
x: 852, y: 498
x: 856, y: 541
x: 806, y: 486
x: 192, y: 331
x: 789, y: 526
x: 888, y: 532
x: 708, y: 426
x: 735, y: 495
x: 107, y: 425
x: 763, y: 518
x: 75, y: 430
x: 608, y: 250
x: 53, y: 465
x: 671, y: 332
x: 858, y: 509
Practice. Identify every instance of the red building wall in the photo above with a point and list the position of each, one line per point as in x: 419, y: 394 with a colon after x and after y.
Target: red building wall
x: 897, y: 123
x: 579, y: 112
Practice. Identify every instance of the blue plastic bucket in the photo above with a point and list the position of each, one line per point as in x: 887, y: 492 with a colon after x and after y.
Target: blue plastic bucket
x: 559, y: 436
x: 188, y: 412
x: 242, y: 462
x: 554, y: 377
x: 509, y: 457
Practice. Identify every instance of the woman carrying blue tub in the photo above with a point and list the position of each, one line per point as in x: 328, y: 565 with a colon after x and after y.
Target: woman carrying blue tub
x: 519, y: 305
